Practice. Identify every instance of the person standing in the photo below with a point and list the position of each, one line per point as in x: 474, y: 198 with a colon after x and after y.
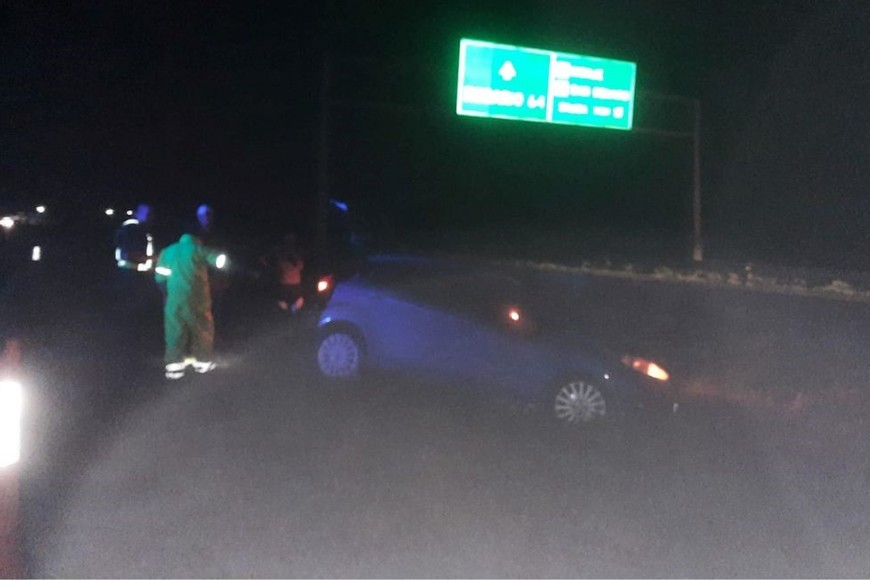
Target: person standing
x: 205, y: 225
x: 182, y: 274
x: 134, y: 244
x: 135, y: 298
x: 285, y: 263
x: 206, y: 228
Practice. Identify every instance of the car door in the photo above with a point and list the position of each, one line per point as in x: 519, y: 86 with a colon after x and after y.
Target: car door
x: 472, y: 340
x: 404, y: 328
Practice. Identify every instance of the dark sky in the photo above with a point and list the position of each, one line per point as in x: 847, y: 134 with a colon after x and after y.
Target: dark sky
x: 184, y: 101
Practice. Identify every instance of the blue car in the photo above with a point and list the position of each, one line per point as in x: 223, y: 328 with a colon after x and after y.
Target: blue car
x: 476, y: 328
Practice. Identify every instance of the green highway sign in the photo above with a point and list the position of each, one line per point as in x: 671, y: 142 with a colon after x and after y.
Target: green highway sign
x: 529, y: 84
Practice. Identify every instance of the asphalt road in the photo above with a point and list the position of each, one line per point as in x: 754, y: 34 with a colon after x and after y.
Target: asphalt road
x: 262, y: 469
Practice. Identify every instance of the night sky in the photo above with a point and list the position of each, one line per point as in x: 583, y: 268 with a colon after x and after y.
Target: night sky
x: 183, y: 102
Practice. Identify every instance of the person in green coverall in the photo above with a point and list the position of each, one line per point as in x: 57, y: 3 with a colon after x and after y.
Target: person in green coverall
x: 182, y: 274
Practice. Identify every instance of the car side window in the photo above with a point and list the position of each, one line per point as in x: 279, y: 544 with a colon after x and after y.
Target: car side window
x: 479, y: 295
x: 476, y: 296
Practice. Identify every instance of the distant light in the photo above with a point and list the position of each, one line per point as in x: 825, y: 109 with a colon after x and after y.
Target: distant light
x: 129, y: 212
x: 144, y: 266
x: 36, y: 254
x: 322, y: 285
x: 163, y: 271
x: 110, y: 211
x: 7, y: 222
x: 10, y: 422
x: 40, y: 209
x: 339, y: 204
x: 514, y: 314
x: 221, y: 261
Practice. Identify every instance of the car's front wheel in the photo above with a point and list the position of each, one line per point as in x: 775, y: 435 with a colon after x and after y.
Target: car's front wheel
x: 581, y: 402
x: 340, y: 354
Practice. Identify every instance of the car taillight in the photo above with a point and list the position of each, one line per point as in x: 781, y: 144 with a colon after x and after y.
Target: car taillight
x: 324, y: 284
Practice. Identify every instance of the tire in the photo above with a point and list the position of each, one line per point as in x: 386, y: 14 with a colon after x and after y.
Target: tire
x: 581, y: 402
x: 340, y: 354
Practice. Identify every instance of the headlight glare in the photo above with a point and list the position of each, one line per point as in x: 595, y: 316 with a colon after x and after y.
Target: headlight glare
x: 646, y: 367
x: 10, y: 422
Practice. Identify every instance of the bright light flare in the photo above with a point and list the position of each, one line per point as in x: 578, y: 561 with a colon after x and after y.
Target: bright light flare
x: 110, y: 211
x: 40, y: 209
x: 323, y: 285
x: 36, y: 254
x: 129, y: 212
x: 7, y: 222
x: 646, y: 367
x: 10, y: 422
x: 514, y: 314
x: 655, y: 371
x: 221, y: 261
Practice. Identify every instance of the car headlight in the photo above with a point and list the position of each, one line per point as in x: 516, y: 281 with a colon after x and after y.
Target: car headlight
x: 10, y: 422
x: 646, y: 367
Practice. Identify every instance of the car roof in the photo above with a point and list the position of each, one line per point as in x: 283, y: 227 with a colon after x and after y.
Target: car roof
x: 396, y: 268
x: 457, y: 283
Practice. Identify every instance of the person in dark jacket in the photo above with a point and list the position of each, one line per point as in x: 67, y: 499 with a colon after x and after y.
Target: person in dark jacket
x: 208, y: 231
x: 134, y: 243
x: 136, y: 298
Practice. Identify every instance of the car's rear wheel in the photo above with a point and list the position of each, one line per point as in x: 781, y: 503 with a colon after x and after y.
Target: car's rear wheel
x: 340, y: 354
x: 581, y: 402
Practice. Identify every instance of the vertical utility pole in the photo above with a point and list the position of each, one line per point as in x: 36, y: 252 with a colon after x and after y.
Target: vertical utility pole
x: 695, y: 135
x: 323, y: 185
x: 697, y: 242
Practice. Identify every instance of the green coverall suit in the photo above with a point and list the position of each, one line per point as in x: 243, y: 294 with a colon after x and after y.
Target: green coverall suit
x: 182, y: 270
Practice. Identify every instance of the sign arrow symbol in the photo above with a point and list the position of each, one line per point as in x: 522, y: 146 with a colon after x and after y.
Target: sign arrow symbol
x: 507, y: 71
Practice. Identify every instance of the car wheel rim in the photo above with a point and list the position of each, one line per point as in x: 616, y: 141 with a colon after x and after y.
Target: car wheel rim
x: 579, y: 402
x: 338, y: 356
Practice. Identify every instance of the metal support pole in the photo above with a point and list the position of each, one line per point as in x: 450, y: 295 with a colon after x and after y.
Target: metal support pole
x: 322, y: 209
x: 695, y: 135
x: 698, y: 243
